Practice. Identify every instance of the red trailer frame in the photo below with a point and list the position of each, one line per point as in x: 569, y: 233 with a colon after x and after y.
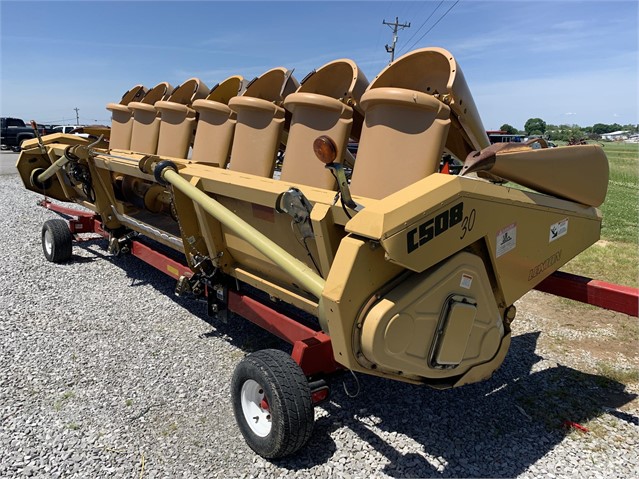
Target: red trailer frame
x: 312, y: 349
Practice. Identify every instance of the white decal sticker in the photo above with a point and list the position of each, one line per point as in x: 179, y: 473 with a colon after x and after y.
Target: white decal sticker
x: 506, y: 239
x: 558, y: 230
x: 466, y: 281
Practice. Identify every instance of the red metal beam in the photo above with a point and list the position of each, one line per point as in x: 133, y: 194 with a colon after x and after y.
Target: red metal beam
x: 312, y: 350
x: 315, y: 355
x: 623, y: 299
x: 159, y: 261
x: 89, y: 222
x: 80, y: 221
x: 276, y: 323
x: 45, y: 203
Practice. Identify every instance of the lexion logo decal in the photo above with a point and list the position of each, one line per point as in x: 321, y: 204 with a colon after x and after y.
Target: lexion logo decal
x: 544, y: 265
x: 433, y: 227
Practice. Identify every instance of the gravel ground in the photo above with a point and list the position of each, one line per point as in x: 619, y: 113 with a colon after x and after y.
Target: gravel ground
x: 104, y: 373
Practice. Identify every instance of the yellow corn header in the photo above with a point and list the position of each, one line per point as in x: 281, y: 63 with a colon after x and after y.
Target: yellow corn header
x: 394, y: 267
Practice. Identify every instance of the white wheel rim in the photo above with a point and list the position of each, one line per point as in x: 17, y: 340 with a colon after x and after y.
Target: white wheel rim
x: 258, y: 418
x: 48, y: 242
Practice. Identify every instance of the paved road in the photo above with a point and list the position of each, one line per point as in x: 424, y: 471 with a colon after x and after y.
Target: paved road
x: 8, y: 163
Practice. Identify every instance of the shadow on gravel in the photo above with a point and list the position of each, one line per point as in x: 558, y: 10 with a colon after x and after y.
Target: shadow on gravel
x: 90, y: 246
x: 496, y: 428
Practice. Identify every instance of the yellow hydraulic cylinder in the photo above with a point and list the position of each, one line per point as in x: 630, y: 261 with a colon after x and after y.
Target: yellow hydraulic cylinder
x: 304, y: 275
x: 49, y: 172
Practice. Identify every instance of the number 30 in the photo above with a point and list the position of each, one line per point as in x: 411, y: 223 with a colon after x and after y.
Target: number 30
x: 468, y: 223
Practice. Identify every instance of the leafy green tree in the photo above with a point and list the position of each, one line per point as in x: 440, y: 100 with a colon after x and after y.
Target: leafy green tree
x: 574, y: 132
x: 535, y: 126
x: 511, y: 130
x: 567, y: 132
x: 601, y: 128
x: 552, y: 132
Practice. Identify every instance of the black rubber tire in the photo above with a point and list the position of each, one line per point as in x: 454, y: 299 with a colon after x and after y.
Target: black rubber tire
x: 57, y: 241
x: 288, y: 394
x: 21, y: 139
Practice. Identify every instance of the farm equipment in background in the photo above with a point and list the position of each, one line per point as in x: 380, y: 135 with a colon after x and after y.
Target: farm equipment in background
x: 577, y: 141
x: 389, y: 268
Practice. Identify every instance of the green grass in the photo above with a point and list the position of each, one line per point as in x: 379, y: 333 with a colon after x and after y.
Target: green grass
x: 614, y: 262
x: 57, y: 405
x: 170, y: 429
x: 621, y: 208
x: 616, y: 258
x: 616, y: 373
x: 557, y: 401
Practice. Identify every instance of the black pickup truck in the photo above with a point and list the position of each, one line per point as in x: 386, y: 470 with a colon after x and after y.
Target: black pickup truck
x: 14, y: 131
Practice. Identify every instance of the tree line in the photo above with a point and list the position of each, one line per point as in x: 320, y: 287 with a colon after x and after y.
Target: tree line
x: 537, y: 126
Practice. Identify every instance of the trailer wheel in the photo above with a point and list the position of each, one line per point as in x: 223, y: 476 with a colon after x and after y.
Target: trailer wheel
x: 57, y: 241
x: 272, y: 403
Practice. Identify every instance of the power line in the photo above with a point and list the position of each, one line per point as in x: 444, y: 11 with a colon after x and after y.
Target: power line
x: 435, y: 24
x: 422, y: 25
x: 411, y: 6
x: 395, y: 26
x: 69, y: 121
x: 54, y: 122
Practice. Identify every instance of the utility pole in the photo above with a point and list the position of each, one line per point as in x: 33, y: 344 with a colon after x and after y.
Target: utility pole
x: 77, y: 116
x: 394, y: 26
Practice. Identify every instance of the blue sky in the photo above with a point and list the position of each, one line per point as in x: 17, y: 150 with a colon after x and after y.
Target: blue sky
x: 563, y: 61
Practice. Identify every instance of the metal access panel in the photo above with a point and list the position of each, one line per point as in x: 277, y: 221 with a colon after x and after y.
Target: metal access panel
x: 457, y: 327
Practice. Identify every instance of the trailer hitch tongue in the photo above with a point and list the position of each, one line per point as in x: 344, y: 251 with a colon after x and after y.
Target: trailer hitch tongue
x: 166, y: 172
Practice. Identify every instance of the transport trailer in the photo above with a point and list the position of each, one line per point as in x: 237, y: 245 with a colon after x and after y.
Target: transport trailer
x: 398, y: 270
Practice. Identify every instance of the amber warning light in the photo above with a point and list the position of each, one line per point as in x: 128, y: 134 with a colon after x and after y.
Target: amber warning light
x: 325, y: 149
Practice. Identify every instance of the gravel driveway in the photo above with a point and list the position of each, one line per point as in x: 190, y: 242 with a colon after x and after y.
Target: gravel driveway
x: 104, y: 373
